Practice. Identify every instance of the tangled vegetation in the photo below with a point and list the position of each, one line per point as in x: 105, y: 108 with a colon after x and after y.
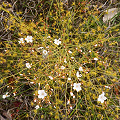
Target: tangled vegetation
x: 59, y: 60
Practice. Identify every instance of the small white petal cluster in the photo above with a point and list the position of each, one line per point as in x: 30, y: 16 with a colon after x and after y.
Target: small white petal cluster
x: 73, y: 96
x: 62, y: 67
x: 107, y: 87
x: 101, y: 97
x: 80, y: 69
x: 14, y: 94
x: 29, y: 39
x: 28, y: 65
x: 57, y: 42
x: 70, y: 107
x: 32, y: 82
x: 50, y: 77
x: 96, y: 59
x: 69, y: 78
x: 71, y: 93
x: 41, y: 94
x: 21, y: 41
x: 68, y: 102
x: 78, y: 75
x: 69, y: 51
x: 36, y: 107
x: 6, y: 95
x: 77, y: 87
x: 35, y: 100
x: 95, y: 45
x: 48, y: 37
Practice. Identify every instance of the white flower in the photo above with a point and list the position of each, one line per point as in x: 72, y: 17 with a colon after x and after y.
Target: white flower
x: 36, y: 107
x: 101, y: 97
x: 70, y: 51
x: 50, y: 77
x: 78, y: 75
x: 69, y: 78
x: 57, y: 42
x: 95, y: 59
x: 45, y: 52
x: 21, y: 41
x: 77, y: 87
x: 28, y: 65
x: 42, y: 94
x: 29, y: 39
x: 6, y: 95
x: 80, y: 69
x: 62, y: 67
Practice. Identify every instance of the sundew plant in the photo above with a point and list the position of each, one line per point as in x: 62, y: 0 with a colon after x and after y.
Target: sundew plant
x: 59, y: 60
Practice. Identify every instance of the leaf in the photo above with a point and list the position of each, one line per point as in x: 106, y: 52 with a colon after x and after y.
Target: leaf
x: 5, y: 115
x: 1, y: 118
x: 110, y: 14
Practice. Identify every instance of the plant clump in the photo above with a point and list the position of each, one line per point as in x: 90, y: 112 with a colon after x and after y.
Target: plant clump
x: 62, y: 64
